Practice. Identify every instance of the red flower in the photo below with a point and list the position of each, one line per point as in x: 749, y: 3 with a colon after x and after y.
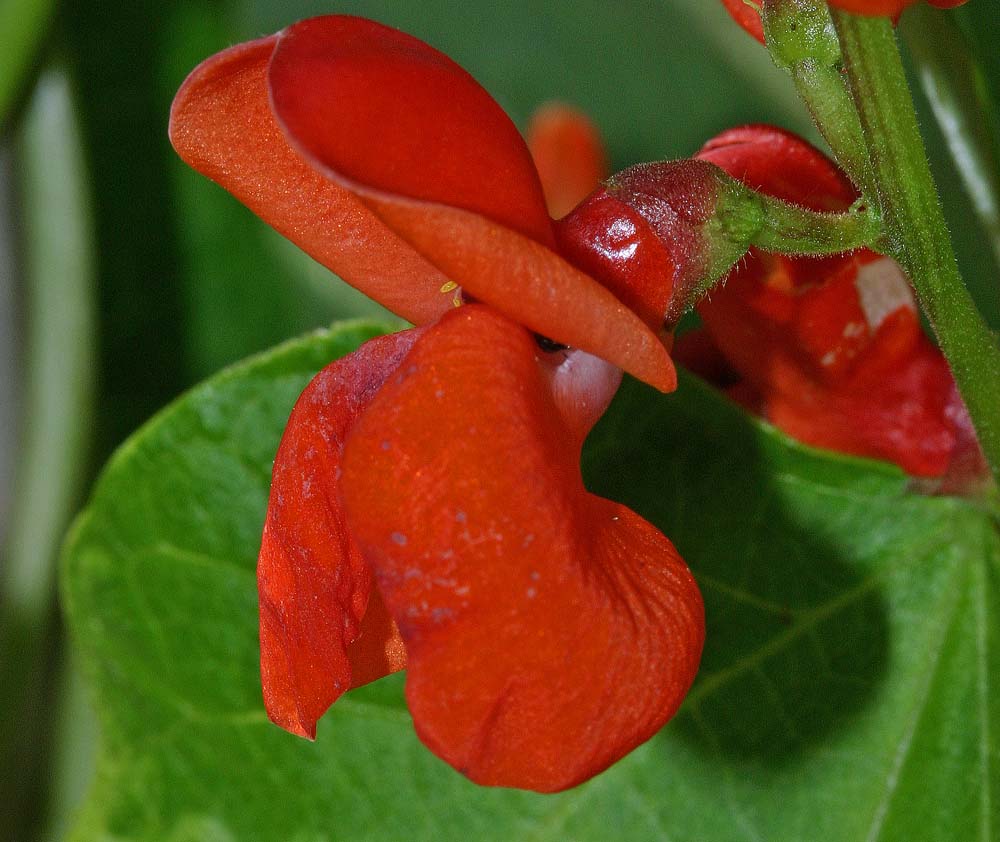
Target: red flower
x: 427, y: 507
x: 830, y: 349
x: 747, y: 14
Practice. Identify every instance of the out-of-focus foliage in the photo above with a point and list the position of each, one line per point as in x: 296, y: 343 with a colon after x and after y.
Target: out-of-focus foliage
x: 55, y: 431
x: 24, y: 24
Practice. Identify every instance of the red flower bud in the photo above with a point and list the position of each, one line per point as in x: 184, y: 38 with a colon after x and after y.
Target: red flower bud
x: 658, y: 234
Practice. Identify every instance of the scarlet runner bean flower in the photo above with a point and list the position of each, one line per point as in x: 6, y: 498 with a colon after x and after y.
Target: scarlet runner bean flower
x: 830, y: 349
x: 427, y: 508
x: 747, y: 14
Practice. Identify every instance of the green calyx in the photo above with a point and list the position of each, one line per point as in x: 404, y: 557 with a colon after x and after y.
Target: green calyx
x: 744, y: 218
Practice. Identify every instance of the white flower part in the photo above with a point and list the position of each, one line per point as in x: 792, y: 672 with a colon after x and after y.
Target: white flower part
x: 883, y: 289
x: 582, y: 386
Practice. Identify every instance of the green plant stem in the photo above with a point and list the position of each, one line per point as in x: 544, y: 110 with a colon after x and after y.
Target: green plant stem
x: 829, y: 102
x: 745, y: 218
x: 914, y: 220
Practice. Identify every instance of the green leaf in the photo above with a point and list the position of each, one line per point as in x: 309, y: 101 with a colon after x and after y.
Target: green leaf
x: 844, y: 695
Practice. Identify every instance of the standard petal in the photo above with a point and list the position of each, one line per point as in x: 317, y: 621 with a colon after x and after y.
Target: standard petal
x: 430, y: 152
x: 568, y: 153
x: 385, y: 111
x: 221, y: 124
x: 323, y: 628
x: 549, y: 631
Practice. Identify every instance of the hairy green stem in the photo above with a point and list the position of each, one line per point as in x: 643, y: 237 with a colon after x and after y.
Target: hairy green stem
x: 791, y: 229
x: 823, y: 91
x: 917, y: 236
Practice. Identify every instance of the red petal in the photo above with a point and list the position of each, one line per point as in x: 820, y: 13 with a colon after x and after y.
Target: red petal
x: 782, y: 164
x: 569, y: 155
x: 320, y: 631
x: 746, y: 16
x: 831, y: 349
x: 549, y: 631
x: 532, y: 285
x: 221, y: 124
x: 433, y: 155
x: 386, y: 111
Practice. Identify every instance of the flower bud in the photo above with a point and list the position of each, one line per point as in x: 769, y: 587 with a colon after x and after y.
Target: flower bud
x: 658, y: 235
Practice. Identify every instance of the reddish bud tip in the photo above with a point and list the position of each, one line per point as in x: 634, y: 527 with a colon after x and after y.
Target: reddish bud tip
x: 568, y: 153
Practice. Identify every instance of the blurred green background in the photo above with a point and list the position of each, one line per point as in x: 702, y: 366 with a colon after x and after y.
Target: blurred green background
x: 125, y: 278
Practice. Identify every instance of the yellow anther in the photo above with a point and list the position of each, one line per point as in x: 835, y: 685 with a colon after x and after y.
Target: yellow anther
x: 449, y: 286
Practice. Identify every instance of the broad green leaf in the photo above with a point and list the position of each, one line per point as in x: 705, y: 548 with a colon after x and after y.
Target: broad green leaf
x: 846, y: 690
